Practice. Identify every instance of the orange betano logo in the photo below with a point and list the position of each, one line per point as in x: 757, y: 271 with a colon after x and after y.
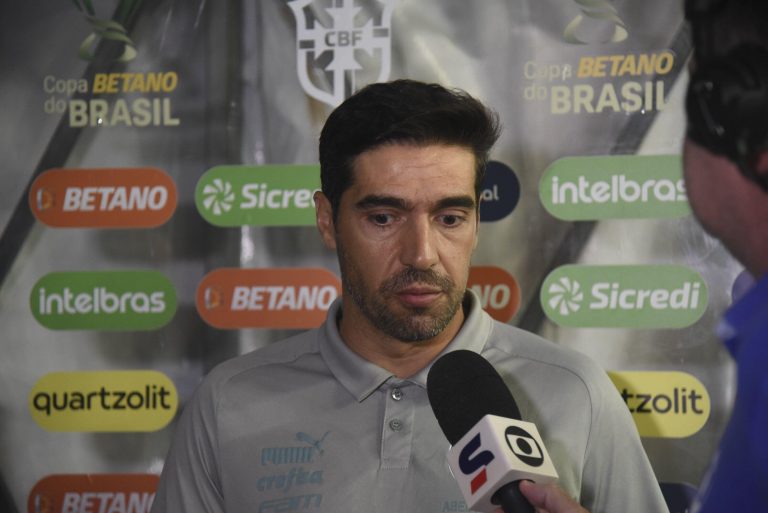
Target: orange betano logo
x: 103, y: 198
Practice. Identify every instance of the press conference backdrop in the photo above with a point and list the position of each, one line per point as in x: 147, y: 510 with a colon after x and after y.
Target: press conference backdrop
x: 158, y: 164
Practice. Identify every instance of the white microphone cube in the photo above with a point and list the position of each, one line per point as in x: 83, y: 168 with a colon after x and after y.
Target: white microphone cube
x: 496, y: 451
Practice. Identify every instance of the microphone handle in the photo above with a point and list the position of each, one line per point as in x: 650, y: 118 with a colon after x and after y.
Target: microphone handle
x: 511, y: 499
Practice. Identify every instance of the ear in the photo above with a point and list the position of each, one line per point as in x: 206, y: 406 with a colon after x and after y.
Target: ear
x: 324, y: 219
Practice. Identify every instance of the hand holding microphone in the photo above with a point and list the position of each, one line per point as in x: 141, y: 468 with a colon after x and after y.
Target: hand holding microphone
x: 493, y: 450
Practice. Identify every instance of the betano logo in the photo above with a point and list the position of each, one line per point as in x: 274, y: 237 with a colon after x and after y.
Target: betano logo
x: 103, y: 300
x: 103, y: 198
x: 614, y: 187
x: 258, y: 195
x: 664, y: 404
x: 266, y: 298
x: 103, y: 401
x: 498, y: 290
x: 624, y: 296
x: 87, y: 493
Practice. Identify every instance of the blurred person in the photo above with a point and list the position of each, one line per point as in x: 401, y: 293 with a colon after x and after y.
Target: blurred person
x: 337, y: 418
x: 725, y: 160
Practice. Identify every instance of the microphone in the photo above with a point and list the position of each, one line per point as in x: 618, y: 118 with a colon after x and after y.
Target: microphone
x: 492, y: 448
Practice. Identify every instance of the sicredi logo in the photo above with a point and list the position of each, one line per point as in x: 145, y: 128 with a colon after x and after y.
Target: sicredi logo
x: 103, y: 300
x: 664, y: 404
x: 624, y: 296
x: 501, y: 192
x: 114, y: 401
x: 498, y: 290
x: 614, y: 187
x: 266, y: 298
x: 87, y: 493
x: 103, y: 198
x: 258, y: 195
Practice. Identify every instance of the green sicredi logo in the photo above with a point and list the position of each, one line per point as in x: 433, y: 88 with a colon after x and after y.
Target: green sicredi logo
x: 624, y: 296
x: 615, y: 187
x: 272, y: 195
x: 103, y: 300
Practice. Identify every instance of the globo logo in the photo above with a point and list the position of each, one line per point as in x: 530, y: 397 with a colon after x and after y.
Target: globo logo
x: 103, y: 493
x: 615, y: 187
x: 103, y: 198
x: 498, y: 291
x: 103, y: 300
x: 112, y: 401
x: 270, y: 195
x: 664, y: 404
x: 624, y: 296
x: 266, y: 298
x: 501, y: 192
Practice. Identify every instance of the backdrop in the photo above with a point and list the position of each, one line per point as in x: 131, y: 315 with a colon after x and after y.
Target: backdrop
x: 158, y: 164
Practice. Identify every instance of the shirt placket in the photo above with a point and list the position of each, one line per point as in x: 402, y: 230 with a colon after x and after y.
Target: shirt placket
x: 397, y: 431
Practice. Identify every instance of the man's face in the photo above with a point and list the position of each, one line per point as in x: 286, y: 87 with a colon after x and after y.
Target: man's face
x: 404, y: 235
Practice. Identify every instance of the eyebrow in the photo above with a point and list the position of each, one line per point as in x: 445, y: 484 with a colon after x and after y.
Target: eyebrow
x: 374, y: 201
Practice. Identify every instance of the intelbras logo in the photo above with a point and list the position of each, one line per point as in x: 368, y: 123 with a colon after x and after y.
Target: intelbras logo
x: 114, y: 401
x: 624, y: 296
x: 664, y: 404
x: 258, y: 195
x: 103, y: 300
x: 266, y: 298
x: 615, y: 187
x: 93, y: 493
x: 103, y: 198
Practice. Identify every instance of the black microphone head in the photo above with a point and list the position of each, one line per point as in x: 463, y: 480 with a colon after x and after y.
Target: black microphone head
x: 463, y: 387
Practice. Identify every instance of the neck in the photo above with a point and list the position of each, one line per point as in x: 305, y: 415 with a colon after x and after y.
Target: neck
x: 401, y: 358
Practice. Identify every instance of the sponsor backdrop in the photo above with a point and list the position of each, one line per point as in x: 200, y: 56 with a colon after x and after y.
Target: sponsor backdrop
x: 159, y: 160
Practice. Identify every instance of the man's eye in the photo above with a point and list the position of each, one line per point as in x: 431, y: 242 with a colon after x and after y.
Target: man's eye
x: 381, y: 219
x: 451, y: 220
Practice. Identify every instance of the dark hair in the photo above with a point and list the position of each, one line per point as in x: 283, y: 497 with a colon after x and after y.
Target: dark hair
x: 721, y: 25
x: 407, y: 112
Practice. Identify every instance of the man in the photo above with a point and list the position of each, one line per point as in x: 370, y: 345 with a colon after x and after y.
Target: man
x: 726, y: 174
x: 337, y: 419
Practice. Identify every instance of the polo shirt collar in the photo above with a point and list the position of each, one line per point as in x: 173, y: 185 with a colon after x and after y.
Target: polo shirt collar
x: 361, y: 377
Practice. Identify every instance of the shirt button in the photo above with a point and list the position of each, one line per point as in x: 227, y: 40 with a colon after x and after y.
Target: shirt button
x: 395, y: 425
x: 397, y: 394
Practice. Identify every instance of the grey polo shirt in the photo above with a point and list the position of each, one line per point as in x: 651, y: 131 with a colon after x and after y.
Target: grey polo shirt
x: 308, y: 425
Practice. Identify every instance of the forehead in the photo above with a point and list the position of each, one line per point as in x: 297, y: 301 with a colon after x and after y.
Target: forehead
x: 414, y: 171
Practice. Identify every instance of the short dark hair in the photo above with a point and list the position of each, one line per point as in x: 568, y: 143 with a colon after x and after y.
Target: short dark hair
x: 404, y: 112
x: 722, y: 25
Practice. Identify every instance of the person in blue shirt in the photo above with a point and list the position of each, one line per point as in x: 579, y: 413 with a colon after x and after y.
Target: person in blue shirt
x: 725, y: 162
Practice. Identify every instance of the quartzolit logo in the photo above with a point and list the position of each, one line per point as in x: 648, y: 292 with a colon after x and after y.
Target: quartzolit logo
x: 340, y: 44
x: 103, y: 300
x: 91, y: 493
x: 664, y: 404
x: 598, y: 22
x: 266, y: 298
x: 624, y: 296
x: 115, y: 401
x: 103, y: 198
x: 615, y: 187
x: 258, y: 195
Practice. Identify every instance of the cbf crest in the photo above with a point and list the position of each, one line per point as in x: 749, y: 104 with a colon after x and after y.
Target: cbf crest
x: 341, y: 45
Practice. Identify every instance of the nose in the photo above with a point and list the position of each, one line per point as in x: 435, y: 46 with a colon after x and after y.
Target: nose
x: 418, y: 246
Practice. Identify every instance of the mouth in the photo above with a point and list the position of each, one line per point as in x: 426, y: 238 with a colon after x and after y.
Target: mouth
x: 419, y: 296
